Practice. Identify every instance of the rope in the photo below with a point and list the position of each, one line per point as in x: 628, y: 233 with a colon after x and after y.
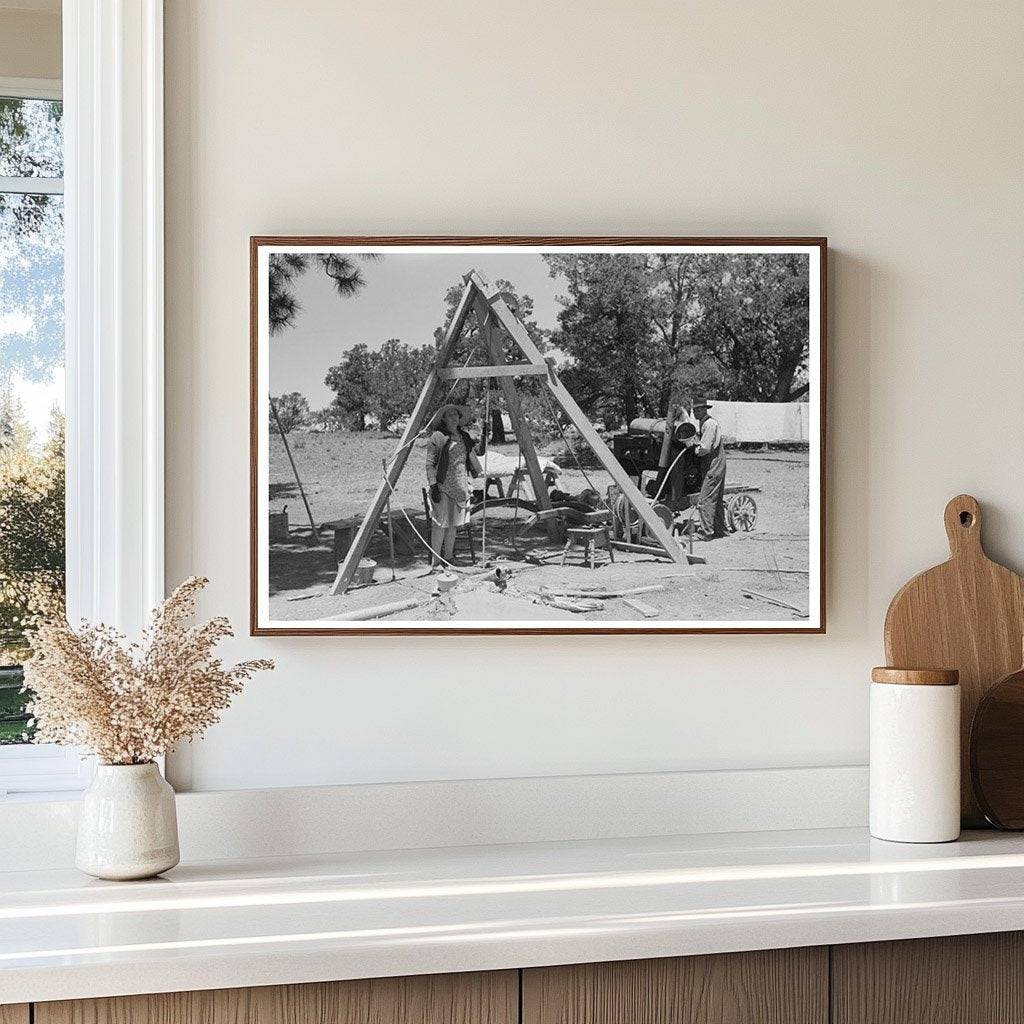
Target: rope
x: 579, y: 465
x: 487, y: 448
x: 412, y: 525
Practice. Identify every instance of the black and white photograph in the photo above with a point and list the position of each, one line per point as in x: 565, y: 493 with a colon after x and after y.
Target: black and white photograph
x: 537, y: 435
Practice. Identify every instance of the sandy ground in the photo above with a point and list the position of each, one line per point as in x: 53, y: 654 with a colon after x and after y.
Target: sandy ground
x: 340, y: 473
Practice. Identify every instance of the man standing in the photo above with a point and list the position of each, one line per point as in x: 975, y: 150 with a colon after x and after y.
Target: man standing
x: 709, y: 447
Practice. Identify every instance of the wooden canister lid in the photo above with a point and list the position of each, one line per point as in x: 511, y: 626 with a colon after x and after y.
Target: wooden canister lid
x: 916, y: 676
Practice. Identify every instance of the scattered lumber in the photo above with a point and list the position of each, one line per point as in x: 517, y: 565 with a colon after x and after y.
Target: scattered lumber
x: 774, y: 600
x: 647, y: 549
x: 567, y: 604
x: 378, y: 611
x: 601, y: 594
x: 648, y: 611
x: 644, y: 549
x: 760, y: 568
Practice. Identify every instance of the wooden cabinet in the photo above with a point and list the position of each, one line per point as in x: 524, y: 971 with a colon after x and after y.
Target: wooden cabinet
x: 970, y: 979
x: 777, y: 986
x: 491, y: 998
x: 962, y: 979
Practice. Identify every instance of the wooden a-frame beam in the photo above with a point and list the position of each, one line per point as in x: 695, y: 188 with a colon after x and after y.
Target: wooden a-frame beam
x: 524, y: 437
x: 419, y: 414
x: 475, y: 297
x: 475, y: 372
x: 515, y: 328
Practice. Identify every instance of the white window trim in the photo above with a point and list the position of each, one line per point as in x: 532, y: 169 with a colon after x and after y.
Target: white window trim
x: 31, y: 88
x: 114, y: 315
x: 114, y: 322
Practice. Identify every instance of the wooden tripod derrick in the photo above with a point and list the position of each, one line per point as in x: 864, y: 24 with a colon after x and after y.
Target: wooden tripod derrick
x: 492, y: 311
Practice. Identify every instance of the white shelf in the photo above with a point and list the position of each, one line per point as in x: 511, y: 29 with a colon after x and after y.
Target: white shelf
x: 351, y: 915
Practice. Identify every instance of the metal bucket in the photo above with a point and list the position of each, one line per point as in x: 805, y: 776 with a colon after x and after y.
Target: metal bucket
x: 363, y: 575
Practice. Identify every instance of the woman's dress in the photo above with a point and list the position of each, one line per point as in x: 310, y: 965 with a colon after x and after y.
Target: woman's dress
x: 453, y: 508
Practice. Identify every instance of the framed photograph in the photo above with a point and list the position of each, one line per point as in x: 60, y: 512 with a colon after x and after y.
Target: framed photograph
x: 537, y: 435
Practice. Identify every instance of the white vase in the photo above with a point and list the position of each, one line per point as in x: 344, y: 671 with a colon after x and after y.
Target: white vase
x: 127, y: 825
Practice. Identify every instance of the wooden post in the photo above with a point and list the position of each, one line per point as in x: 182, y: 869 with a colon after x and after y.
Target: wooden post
x: 298, y: 480
x: 515, y: 411
x: 654, y: 525
x: 391, y: 524
x: 416, y: 420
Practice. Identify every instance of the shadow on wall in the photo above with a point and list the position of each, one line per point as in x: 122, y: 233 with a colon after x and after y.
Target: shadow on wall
x: 853, y: 288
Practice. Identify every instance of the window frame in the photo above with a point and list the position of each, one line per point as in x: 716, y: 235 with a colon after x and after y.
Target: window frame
x: 112, y: 90
x: 37, y: 768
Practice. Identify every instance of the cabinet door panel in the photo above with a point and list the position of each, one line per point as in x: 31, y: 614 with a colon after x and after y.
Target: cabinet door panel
x: 481, y: 998
x: 14, y: 1013
x: 778, y: 986
x: 960, y: 979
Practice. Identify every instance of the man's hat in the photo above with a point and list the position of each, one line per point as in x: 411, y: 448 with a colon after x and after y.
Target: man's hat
x: 701, y: 403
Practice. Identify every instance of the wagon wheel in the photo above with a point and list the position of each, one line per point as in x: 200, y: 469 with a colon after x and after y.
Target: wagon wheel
x: 741, y: 513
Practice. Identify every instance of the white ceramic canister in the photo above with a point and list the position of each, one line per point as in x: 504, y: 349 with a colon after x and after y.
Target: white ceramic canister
x: 915, y: 755
x: 127, y: 825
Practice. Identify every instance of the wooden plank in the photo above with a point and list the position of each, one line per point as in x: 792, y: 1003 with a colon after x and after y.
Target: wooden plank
x: 524, y: 436
x: 648, y: 611
x: 476, y: 372
x: 655, y: 526
x: 779, y: 986
x: 419, y: 414
x: 479, y: 998
x: 936, y: 619
x: 959, y: 979
x: 14, y: 1013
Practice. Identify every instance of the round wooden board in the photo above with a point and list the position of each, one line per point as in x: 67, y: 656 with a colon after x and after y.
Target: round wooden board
x: 997, y: 752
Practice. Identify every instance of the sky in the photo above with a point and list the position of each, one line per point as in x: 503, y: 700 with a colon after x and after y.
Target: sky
x: 32, y: 273
x: 403, y: 298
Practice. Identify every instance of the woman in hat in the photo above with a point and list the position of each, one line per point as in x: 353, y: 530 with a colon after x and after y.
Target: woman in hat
x: 450, y: 463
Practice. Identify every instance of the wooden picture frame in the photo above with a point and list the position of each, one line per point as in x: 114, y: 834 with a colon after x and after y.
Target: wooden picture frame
x: 494, y: 314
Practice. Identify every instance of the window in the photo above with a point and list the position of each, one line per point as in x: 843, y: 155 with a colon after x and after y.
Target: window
x: 32, y: 487
x: 101, y: 187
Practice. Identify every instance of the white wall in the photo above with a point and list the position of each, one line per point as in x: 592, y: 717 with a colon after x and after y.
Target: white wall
x: 895, y: 129
x: 30, y: 39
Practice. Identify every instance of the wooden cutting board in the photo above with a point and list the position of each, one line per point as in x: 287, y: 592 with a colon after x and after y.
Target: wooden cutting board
x: 967, y: 614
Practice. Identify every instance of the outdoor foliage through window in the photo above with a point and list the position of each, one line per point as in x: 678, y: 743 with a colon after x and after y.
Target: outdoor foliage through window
x: 31, y: 386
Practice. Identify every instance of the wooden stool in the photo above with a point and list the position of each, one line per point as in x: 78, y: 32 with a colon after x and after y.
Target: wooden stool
x: 585, y: 536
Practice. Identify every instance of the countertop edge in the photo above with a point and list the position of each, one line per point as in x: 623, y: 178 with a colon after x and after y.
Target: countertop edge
x: 553, y: 945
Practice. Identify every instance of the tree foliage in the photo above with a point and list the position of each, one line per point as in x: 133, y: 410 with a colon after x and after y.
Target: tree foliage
x: 399, y: 371
x: 351, y: 380
x: 292, y: 411
x: 382, y: 385
x: 754, y: 321
x: 606, y: 328
x: 644, y: 330
x: 285, y: 267
x: 32, y: 551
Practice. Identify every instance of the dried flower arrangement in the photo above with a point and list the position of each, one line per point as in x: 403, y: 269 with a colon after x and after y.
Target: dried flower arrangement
x: 129, y: 703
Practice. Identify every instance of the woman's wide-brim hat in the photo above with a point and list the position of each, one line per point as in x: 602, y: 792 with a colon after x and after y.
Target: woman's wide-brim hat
x: 464, y: 411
